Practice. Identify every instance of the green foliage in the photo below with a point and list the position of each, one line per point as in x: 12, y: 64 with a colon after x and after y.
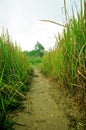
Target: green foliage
x: 35, y: 56
x: 35, y: 53
x: 39, y: 46
x: 39, y: 49
x: 67, y: 62
x: 14, y: 70
x: 34, y: 61
x: 38, y: 52
x: 31, y: 53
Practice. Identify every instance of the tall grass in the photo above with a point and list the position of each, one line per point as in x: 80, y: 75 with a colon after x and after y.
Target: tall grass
x: 15, y: 77
x: 67, y: 62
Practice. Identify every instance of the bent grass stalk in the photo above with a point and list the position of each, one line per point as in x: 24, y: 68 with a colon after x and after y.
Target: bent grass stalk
x: 14, y: 69
x: 67, y: 61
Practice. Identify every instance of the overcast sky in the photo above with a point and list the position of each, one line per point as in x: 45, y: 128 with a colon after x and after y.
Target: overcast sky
x: 22, y: 19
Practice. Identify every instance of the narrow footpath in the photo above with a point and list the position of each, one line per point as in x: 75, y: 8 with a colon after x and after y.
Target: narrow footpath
x: 41, y: 112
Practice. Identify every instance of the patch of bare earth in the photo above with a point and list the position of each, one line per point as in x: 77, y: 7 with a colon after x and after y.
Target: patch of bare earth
x: 67, y: 102
x: 45, y: 107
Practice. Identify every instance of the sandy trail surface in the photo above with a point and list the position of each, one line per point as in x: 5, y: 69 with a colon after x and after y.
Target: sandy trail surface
x: 41, y: 112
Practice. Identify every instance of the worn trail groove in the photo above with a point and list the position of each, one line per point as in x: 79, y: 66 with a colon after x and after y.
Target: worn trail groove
x: 41, y: 111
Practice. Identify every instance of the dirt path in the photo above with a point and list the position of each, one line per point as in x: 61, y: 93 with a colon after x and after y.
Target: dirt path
x: 41, y: 111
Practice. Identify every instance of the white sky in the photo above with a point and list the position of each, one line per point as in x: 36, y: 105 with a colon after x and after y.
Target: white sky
x: 22, y: 19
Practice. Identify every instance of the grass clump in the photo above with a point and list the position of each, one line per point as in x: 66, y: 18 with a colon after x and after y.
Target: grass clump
x: 67, y: 62
x: 15, y: 77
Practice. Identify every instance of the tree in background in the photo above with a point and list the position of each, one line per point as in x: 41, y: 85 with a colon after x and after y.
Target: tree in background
x: 39, y: 46
x: 39, y: 49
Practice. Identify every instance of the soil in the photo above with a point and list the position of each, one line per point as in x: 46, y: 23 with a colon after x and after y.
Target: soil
x: 44, y: 108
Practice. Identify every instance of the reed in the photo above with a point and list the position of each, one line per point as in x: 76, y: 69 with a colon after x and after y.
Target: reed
x: 15, y: 75
x: 67, y: 62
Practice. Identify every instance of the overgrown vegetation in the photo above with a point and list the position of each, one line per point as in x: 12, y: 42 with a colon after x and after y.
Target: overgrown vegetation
x: 15, y: 78
x: 35, y: 56
x: 67, y: 62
